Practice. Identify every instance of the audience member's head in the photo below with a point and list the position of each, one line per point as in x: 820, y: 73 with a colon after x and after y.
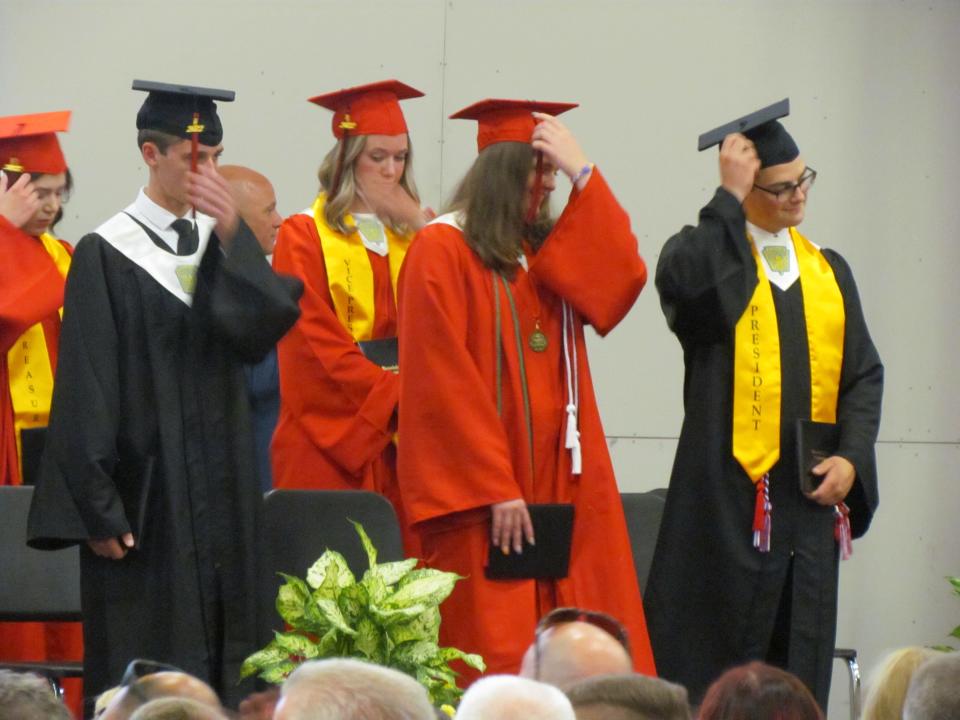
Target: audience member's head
x: 344, y: 689
x: 27, y: 697
x: 507, y: 697
x: 934, y: 692
x: 628, y: 697
x: 176, y: 708
x: 757, y: 691
x: 887, y: 687
x: 139, y: 689
x: 256, y: 203
x: 573, y: 644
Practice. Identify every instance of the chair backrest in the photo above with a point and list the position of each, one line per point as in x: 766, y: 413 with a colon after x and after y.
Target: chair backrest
x: 298, y: 525
x: 643, y: 512
x: 34, y: 584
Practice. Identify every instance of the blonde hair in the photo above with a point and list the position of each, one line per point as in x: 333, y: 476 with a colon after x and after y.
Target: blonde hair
x: 889, y: 681
x: 337, y: 205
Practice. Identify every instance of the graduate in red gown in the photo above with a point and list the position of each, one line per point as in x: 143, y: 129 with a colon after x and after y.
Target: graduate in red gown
x: 338, y: 407
x: 497, y: 403
x: 33, y: 270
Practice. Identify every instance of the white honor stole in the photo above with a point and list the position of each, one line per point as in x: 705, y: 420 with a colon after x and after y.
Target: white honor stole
x: 176, y: 273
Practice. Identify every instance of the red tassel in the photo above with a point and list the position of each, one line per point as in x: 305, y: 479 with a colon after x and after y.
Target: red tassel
x: 841, y: 530
x: 762, y: 515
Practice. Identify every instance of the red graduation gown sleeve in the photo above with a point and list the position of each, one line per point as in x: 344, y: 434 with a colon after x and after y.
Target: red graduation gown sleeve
x: 590, y: 258
x: 32, y: 285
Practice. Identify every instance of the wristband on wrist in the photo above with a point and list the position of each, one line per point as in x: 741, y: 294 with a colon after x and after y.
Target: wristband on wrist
x: 584, y: 171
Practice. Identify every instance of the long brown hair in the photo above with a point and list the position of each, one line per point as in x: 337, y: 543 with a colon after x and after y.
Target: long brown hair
x: 338, y: 206
x: 491, y: 200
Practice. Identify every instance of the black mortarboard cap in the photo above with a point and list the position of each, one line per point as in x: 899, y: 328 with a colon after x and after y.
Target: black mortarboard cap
x: 772, y: 141
x: 171, y: 108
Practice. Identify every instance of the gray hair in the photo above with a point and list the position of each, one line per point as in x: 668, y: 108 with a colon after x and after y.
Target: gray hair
x: 631, y: 697
x: 345, y: 689
x: 176, y: 708
x: 25, y: 696
x: 934, y: 692
x: 507, y: 697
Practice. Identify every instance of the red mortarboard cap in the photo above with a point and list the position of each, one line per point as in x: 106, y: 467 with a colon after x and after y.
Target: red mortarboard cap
x: 28, y: 143
x: 372, y: 109
x: 507, y: 120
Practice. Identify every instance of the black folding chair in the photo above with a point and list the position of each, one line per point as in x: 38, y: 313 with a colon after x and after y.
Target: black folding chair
x: 35, y: 585
x: 643, y: 512
x: 298, y: 525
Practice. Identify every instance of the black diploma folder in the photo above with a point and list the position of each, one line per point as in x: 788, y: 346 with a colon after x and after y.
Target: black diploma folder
x: 31, y: 449
x: 384, y: 352
x: 549, y: 558
x: 816, y: 441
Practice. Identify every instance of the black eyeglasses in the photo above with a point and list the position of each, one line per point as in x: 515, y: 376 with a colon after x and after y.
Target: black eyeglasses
x: 563, y: 615
x: 136, y: 670
x: 783, y: 191
x: 139, y: 668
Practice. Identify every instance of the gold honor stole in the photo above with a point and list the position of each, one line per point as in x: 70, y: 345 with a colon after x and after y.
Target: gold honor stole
x: 349, y: 274
x: 756, y: 374
x: 30, y: 369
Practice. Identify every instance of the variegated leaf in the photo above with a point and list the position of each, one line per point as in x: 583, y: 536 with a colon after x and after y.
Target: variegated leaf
x: 333, y: 615
x: 416, y: 652
x: 368, y: 546
x: 369, y: 640
x: 425, y: 626
x: 317, y: 574
x: 292, y: 598
x: 431, y: 587
x: 393, y: 572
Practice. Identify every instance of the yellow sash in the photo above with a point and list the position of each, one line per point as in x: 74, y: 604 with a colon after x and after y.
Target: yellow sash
x: 349, y: 274
x: 30, y: 369
x: 757, y: 383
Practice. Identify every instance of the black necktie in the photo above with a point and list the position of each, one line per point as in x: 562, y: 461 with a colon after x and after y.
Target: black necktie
x: 187, y: 239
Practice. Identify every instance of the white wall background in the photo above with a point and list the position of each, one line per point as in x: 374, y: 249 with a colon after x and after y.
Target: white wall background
x: 876, y: 109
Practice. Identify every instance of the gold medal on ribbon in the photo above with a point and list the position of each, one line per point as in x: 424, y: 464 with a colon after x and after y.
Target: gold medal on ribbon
x: 538, y: 341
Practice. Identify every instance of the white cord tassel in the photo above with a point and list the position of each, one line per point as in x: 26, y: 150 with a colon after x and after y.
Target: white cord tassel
x: 570, y: 349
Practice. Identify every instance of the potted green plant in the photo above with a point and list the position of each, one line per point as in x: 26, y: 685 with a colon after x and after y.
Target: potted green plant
x: 390, y: 616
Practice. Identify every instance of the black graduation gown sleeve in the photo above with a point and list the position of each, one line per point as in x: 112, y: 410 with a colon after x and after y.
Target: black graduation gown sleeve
x: 706, y: 274
x: 242, y: 299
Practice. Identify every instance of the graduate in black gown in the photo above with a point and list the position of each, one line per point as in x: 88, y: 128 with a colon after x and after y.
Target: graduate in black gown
x: 149, y: 461
x: 746, y: 565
